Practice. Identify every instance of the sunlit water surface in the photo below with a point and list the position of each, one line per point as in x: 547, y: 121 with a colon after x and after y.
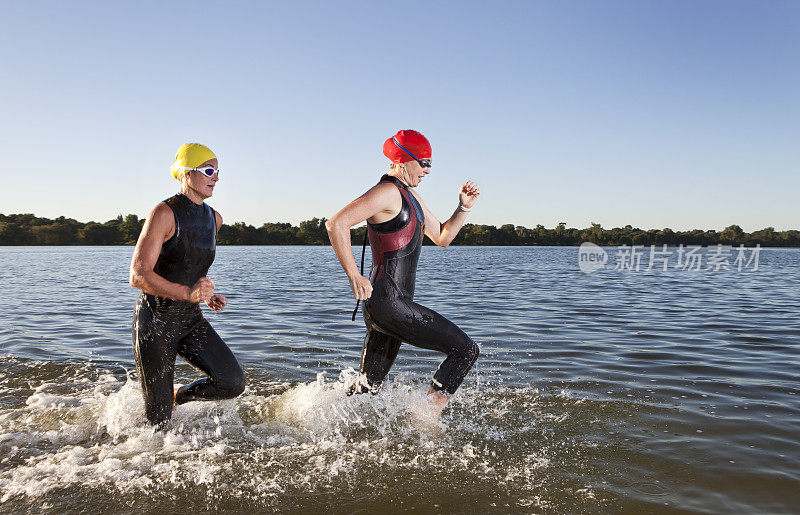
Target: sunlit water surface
x: 613, y: 391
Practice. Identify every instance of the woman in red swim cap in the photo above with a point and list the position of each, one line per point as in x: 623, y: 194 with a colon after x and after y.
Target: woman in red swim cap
x: 397, y: 220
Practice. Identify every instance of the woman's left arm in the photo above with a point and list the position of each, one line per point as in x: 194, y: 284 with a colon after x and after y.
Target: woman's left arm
x: 443, y: 234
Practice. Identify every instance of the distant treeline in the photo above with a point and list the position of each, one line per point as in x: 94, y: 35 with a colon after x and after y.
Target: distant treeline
x: 27, y: 229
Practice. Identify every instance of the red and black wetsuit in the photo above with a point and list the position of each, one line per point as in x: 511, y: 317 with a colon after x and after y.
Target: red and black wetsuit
x: 164, y: 328
x: 392, y: 316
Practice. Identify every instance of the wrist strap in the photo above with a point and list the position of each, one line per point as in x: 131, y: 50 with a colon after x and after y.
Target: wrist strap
x: 462, y: 208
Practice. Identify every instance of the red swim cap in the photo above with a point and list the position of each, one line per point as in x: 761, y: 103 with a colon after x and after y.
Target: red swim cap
x: 413, y: 141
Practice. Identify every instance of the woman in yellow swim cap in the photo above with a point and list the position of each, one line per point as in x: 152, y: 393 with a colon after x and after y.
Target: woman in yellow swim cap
x: 170, y: 265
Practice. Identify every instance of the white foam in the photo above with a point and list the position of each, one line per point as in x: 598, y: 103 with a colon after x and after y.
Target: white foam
x: 309, y: 437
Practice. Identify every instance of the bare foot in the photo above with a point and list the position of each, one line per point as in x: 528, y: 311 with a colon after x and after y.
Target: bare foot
x: 438, y: 400
x: 427, y: 417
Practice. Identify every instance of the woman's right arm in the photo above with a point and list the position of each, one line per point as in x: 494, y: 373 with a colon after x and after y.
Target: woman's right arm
x: 380, y: 198
x: 157, y: 229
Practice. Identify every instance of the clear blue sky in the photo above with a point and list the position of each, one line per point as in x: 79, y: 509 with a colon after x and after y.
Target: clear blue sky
x: 680, y: 114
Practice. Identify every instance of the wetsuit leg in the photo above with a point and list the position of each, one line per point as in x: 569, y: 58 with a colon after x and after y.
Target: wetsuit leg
x: 204, y: 349
x: 422, y: 327
x: 380, y: 351
x: 154, y: 351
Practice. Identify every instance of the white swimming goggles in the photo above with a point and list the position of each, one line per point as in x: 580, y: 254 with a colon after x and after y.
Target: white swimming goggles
x: 208, y: 171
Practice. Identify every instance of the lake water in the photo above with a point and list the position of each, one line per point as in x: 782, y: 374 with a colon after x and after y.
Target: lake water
x: 619, y: 390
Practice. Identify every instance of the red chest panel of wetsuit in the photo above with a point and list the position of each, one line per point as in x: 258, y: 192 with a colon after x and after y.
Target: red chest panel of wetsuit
x: 396, y: 243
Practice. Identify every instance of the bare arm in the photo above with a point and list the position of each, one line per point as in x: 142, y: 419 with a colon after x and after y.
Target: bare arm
x: 443, y: 234
x: 158, y: 228
x: 377, y: 203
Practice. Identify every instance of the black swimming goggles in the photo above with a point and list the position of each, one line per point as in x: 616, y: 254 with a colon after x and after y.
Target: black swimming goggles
x: 425, y: 163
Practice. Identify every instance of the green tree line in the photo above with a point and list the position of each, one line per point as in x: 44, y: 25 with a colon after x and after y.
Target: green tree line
x: 27, y: 229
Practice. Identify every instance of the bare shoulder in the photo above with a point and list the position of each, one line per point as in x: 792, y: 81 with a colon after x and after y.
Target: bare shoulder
x: 218, y: 218
x: 383, y: 189
x: 383, y: 196
x: 161, y: 220
x: 161, y: 211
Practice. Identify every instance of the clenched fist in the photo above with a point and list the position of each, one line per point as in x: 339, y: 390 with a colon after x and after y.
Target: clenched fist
x: 217, y: 302
x: 202, y: 290
x: 362, y: 288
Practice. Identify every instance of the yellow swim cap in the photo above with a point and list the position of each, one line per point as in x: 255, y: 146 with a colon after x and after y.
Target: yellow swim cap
x: 190, y: 155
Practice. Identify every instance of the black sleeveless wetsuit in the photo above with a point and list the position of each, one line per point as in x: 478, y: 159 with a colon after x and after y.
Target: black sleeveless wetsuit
x: 164, y: 328
x: 392, y: 316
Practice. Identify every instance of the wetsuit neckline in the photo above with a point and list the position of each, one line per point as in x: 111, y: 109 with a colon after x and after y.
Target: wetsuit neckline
x: 398, y: 182
x: 186, y: 200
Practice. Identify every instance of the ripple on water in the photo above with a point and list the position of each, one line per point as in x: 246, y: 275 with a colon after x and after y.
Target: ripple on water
x: 605, y: 392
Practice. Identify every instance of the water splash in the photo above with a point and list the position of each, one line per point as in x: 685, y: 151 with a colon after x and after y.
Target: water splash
x: 86, y: 429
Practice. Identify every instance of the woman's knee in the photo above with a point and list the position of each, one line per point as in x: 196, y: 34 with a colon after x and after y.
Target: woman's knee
x: 232, y: 384
x: 469, y: 351
x: 472, y: 353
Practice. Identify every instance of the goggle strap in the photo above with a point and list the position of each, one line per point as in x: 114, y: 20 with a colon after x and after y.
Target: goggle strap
x: 404, y: 149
